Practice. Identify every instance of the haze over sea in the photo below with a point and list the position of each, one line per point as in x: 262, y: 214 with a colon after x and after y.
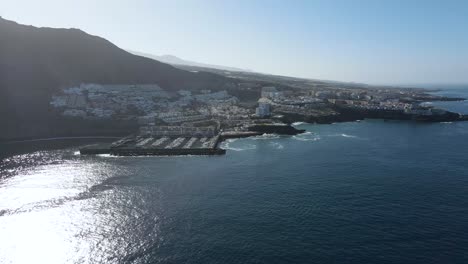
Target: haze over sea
x: 358, y: 192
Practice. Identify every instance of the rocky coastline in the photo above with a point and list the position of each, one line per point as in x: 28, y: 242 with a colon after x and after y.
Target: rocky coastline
x: 281, y: 129
x: 346, y: 114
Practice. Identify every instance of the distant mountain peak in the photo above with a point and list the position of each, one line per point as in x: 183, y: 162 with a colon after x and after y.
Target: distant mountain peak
x: 170, y: 56
x: 174, y: 60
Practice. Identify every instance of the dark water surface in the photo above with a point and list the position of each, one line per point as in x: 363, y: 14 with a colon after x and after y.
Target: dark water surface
x: 360, y: 192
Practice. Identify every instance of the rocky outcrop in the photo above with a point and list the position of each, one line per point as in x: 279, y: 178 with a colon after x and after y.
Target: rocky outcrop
x: 276, y: 129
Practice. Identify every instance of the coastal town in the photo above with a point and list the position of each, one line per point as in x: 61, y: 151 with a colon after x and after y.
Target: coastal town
x: 191, y: 122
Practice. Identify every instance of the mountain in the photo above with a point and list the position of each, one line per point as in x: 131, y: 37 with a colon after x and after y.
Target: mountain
x: 37, y: 62
x: 173, y: 60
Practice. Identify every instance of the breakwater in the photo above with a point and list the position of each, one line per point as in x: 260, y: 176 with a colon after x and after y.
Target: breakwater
x: 148, y: 145
x: 157, y: 146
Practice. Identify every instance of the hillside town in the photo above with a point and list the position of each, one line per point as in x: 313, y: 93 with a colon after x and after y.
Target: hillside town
x: 151, y: 105
x: 192, y: 122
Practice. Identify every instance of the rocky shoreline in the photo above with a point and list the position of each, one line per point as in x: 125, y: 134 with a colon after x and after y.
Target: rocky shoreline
x: 281, y: 129
x: 348, y: 115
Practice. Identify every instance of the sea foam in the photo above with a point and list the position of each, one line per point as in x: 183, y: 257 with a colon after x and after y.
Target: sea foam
x: 307, y: 136
x: 265, y: 136
x: 298, y: 123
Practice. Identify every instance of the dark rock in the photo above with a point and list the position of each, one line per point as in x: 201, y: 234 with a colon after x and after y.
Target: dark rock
x: 276, y: 129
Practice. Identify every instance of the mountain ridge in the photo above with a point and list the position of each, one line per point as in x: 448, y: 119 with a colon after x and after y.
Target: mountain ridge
x: 37, y: 62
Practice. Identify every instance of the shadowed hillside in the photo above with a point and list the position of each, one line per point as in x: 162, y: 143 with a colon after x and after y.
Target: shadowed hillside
x: 35, y: 62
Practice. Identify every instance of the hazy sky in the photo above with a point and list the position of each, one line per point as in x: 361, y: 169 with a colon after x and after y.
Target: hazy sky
x: 394, y: 42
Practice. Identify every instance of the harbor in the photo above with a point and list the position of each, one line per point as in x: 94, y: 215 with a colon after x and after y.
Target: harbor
x: 180, y: 140
x: 157, y: 146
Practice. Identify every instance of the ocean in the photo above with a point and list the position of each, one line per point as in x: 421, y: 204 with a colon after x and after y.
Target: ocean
x: 372, y: 191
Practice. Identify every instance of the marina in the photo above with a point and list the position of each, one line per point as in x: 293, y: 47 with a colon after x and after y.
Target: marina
x: 178, y: 140
x: 157, y: 146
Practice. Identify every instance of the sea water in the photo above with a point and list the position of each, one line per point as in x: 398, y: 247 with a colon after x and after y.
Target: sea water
x: 356, y: 192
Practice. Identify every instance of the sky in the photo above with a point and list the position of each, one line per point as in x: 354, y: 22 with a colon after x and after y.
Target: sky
x: 367, y: 41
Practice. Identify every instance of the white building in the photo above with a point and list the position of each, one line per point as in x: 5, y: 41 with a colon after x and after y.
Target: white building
x: 271, y: 92
x: 263, y: 109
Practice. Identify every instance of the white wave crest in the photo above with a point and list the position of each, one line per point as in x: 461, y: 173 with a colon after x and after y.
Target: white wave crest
x: 265, y: 136
x: 307, y: 136
x: 298, y: 123
x: 348, y: 136
x: 247, y: 147
x: 343, y: 135
x: 227, y: 145
x: 277, y: 145
x: 104, y: 155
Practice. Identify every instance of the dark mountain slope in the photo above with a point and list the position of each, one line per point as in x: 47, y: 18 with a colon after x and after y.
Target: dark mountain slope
x: 35, y: 62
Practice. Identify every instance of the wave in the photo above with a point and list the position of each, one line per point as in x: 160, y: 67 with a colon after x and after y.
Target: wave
x: 298, y: 123
x: 343, y: 135
x: 227, y: 145
x: 277, y: 145
x: 348, y: 136
x: 306, y: 139
x: 105, y: 155
x: 247, y: 147
x: 307, y: 136
x: 265, y: 136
